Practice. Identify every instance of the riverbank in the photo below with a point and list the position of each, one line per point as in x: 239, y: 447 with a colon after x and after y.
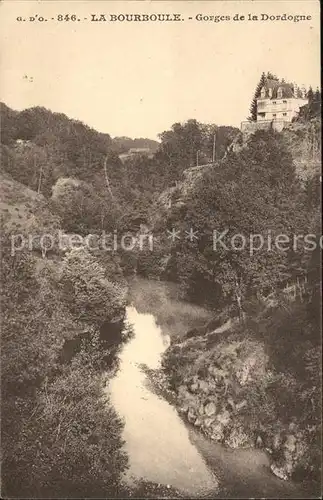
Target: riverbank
x: 240, y: 471
x: 231, y: 389
x: 146, y: 489
x: 147, y: 397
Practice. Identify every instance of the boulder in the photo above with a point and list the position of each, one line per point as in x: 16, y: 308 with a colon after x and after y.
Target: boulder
x: 290, y: 443
x: 208, y: 422
x: 231, y: 403
x: 198, y: 422
x: 210, y: 369
x: 191, y: 416
x: 293, y: 449
x: 212, y: 385
x: 204, y: 386
x: 210, y: 409
x: 194, y: 387
x: 279, y: 471
x: 201, y: 410
x: 292, y: 427
x: 183, y: 408
x: 259, y: 442
x: 223, y: 418
x: 238, y: 439
x: 241, y: 405
x: 217, y: 431
x: 291, y: 456
x: 253, y: 364
x: 182, y: 390
x: 277, y: 441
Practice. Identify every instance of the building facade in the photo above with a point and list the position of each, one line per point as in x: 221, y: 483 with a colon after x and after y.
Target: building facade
x: 278, y: 104
x: 280, y: 101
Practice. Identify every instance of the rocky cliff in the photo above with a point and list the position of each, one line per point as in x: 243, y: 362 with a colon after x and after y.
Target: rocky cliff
x: 226, y: 385
x: 302, y: 139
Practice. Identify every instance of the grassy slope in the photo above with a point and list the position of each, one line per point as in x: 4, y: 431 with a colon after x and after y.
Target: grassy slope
x: 21, y: 208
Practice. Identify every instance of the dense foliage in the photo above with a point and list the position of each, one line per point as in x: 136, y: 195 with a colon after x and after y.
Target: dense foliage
x: 313, y: 108
x: 60, y: 435
x: 192, y: 143
x: 252, y: 192
x: 80, y: 168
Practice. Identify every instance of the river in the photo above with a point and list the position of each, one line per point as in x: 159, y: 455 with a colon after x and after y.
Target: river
x: 161, y: 447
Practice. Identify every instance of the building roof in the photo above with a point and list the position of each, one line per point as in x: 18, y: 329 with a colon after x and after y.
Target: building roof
x: 274, y: 85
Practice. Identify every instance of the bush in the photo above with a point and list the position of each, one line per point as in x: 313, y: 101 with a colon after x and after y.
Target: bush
x: 60, y: 435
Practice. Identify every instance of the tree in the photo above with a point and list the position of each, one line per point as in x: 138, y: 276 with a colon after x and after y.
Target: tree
x: 316, y: 104
x: 179, y: 146
x: 254, y: 191
x: 253, y: 106
x: 272, y: 76
x: 310, y: 97
x: 313, y: 107
x: 184, y: 143
x: 91, y: 297
x: 81, y: 208
x: 61, y: 147
x: 317, y: 95
x: 60, y: 435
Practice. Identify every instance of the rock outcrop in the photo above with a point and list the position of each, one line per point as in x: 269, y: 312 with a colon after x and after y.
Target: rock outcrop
x: 214, y: 398
x: 227, y: 389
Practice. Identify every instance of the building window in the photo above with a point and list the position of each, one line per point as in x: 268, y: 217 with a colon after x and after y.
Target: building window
x: 274, y: 102
x: 274, y: 115
x: 284, y: 114
x: 285, y: 102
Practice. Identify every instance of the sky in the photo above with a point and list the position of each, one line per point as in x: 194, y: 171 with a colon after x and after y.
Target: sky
x: 138, y: 78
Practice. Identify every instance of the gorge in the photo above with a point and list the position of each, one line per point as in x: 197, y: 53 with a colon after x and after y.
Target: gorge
x: 161, y: 446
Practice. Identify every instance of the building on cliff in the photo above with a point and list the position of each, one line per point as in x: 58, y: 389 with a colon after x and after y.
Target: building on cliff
x: 278, y: 104
x: 280, y: 101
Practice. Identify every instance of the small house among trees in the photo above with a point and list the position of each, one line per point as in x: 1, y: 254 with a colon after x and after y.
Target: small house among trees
x: 275, y: 103
x: 279, y: 100
x: 276, y: 99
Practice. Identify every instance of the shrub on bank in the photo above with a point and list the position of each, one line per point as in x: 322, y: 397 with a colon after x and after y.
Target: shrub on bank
x: 60, y: 435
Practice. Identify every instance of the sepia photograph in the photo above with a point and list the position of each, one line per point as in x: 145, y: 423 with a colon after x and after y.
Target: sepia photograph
x: 161, y: 249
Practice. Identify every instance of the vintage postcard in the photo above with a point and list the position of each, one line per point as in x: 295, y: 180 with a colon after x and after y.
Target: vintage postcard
x: 160, y: 249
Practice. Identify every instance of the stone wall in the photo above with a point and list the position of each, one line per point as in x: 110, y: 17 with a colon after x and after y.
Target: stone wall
x: 248, y: 128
